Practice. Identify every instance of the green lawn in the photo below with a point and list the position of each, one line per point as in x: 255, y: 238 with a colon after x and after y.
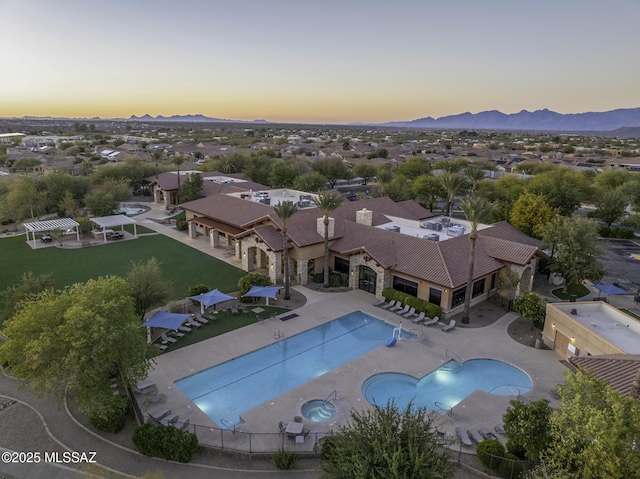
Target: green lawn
x: 579, y: 290
x: 182, y: 266
x: 139, y: 228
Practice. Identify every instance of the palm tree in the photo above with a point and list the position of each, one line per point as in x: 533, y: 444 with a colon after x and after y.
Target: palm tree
x: 477, y: 209
x: 327, y: 202
x: 178, y: 160
x: 285, y: 210
x: 475, y: 173
x: 156, y: 155
x: 453, y: 183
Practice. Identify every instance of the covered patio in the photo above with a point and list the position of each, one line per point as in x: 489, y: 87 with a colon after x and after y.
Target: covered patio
x: 107, y: 225
x: 66, y: 225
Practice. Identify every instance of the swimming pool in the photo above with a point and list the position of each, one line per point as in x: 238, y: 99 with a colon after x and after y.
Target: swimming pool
x: 226, y: 391
x: 448, y: 385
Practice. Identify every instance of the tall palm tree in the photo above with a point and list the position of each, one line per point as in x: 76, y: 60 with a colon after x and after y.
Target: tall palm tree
x: 156, y: 155
x: 178, y: 160
x: 475, y: 173
x: 327, y: 202
x: 454, y: 183
x: 477, y: 209
x: 285, y: 210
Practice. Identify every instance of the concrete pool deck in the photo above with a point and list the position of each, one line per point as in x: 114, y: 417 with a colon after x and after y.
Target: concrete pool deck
x: 416, y: 357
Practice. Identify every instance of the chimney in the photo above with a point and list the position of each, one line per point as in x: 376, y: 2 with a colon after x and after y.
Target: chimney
x: 331, y: 227
x: 364, y: 217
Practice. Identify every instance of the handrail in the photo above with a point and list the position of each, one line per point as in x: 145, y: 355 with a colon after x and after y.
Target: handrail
x: 333, y: 393
x: 444, y: 408
x: 513, y: 387
x: 421, y: 331
x: 453, y: 356
x: 230, y: 425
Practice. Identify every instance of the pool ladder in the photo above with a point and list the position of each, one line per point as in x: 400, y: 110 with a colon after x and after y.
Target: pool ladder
x: 278, y: 334
x: 333, y: 393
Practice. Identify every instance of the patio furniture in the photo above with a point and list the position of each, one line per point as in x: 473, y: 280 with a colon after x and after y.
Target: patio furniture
x: 380, y: 302
x: 448, y: 327
x: 161, y: 347
x: 180, y: 423
x: 185, y: 329
x: 404, y: 310
x: 176, y: 334
x: 429, y: 322
x: 294, y: 428
x: 419, y: 318
x: 395, y: 308
x: 298, y: 418
x: 168, y: 420
x: 389, y: 305
x: 201, y: 319
x: 464, y: 436
x: 160, y: 398
x: 487, y: 434
x: 499, y: 428
x: 146, y: 388
x: 409, y: 313
x: 167, y: 339
x: 475, y: 435
x: 234, y: 311
x: 159, y: 414
x: 193, y: 322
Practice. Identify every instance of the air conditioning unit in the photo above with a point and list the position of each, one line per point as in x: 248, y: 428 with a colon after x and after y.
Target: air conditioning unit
x: 445, y: 220
x: 432, y: 237
x: 425, y: 225
x: 455, y: 231
x: 393, y: 228
x: 435, y: 226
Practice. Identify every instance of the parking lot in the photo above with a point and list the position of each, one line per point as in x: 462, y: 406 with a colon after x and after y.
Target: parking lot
x: 622, y: 262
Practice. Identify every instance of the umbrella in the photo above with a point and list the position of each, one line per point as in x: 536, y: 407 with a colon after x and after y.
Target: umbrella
x: 211, y: 298
x: 263, y: 292
x: 162, y: 319
x: 609, y: 289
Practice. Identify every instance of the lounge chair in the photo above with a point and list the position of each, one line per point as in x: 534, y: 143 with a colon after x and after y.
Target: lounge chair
x: 180, y: 423
x: 448, y: 327
x: 185, y: 329
x: 404, y: 310
x: 176, y: 334
x: 419, y: 318
x: 160, y: 398
x: 297, y: 419
x: 499, y: 428
x: 201, y: 320
x: 396, y: 307
x: 235, y: 311
x: 475, y: 435
x: 169, y: 420
x: 193, y: 322
x: 389, y: 305
x: 146, y: 388
x: 167, y: 339
x: 161, y: 347
x: 380, y: 302
x: 429, y: 322
x: 464, y: 436
x: 487, y: 434
x: 159, y: 414
x: 409, y: 313
x: 282, y: 426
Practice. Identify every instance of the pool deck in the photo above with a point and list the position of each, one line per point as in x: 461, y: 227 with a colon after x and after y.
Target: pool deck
x: 416, y: 357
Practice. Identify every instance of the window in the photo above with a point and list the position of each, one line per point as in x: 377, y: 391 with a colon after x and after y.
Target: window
x: 478, y: 288
x: 341, y: 265
x: 405, y: 286
x: 458, y: 297
x: 493, y: 280
x: 435, y: 296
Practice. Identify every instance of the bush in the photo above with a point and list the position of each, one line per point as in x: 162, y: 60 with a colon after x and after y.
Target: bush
x: 111, y: 418
x: 490, y: 452
x: 615, y: 233
x: 511, y: 467
x: 338, y: 279
x: 182, y: 225
x: 285, y: 459
x: 318, y: 278
x: 516, y: 449
x: 430, y: 309
x: 196, y: 290
x: 251, y: 279
x: 165, y: 441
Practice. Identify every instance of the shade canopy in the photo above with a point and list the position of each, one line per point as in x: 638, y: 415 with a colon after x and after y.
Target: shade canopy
x: 162, y: 319
x: 212, y: 297
x: 610, y: 289
x: 263, y: 291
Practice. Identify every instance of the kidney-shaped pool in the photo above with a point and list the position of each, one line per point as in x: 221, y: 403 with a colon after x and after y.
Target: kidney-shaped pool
x: 445, y: 387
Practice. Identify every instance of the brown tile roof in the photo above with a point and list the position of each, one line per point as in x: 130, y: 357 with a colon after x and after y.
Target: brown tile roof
x: 508, y: 251
x: 505, y: 231
x: 271, y: 237
x: 228, y: 209
x: 618, y: 370
x: 381, y: 206
x: 219, y: 225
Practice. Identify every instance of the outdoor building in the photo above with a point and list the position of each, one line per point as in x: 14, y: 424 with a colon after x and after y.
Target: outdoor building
x: 377, y: 242
x: 590, y: 329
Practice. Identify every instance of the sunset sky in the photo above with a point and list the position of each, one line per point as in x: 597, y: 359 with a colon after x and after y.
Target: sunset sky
x: 317, y: 60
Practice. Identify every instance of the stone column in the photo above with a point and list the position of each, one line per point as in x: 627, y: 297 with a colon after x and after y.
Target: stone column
x: 192, y: 230
x: 303, y: 272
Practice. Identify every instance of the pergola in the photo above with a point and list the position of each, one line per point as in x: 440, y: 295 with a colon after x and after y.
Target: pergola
x: 64, y: 224
x: 107, y: 223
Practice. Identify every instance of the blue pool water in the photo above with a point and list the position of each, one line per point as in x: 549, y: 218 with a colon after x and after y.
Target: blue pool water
x: 226, y: 391
x: 448, y: 385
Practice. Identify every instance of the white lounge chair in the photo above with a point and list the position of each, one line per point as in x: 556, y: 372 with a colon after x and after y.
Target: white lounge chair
x: 409, y: 313
x: 487, y: 434
x: 499, y: 428
x: 380, y: 302
x: 160, y: 398
x: 464, y: 436
x: 419, y: 318
x: 429, y: 322
x: 161, y: 347
x: 475, y: 435
x: 389, y: 305
x: 396, y: 307
x: 167, y: 339
x: 448, y: 327
x: 404, y: 310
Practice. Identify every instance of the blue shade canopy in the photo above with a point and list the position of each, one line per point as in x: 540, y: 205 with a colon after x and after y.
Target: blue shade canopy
x: 212, y: 297
x: 162, y: 319
x: 263, y: 291
x: 610, y: 289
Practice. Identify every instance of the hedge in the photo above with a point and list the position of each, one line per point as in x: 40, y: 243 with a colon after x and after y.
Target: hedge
x: 166, y: 442
x: 490, y: 452
x: 111, y: 418
x: 430, y: 309
x: 616, y: 233
x: 510, y: 467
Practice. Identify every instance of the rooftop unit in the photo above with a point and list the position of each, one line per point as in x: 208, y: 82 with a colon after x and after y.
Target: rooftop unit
x: 393, y: 228
x: 455, y: 231
x: 431, y: 225
x: 445, y: 220
x: 431, y: 237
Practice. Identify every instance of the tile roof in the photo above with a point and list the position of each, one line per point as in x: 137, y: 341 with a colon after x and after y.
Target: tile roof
x: 230, y: 210
x: 618, y: 370
x: 271, y: 237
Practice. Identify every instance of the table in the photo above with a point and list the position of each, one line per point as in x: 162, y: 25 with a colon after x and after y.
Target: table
x: 258, y: 310
x: 145, y: 384
x: 294, y: 427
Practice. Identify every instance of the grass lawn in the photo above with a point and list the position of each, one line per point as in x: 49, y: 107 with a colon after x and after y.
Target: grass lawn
x: 224, y: 322
x: 139, y: 228
x: 579, y: 290
x: 633, y: 315
x: 181, y: 265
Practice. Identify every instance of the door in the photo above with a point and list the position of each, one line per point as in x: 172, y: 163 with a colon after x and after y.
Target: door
x: 367, y: 280
x: 561, y: 345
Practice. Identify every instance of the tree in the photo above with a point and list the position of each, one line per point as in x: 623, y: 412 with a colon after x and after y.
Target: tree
x: 564, y: 189
x: 333, y: 169
x: 282, y: 175
x: 611, y: 206
x: 527, y: 426
x: 428, y: 189
x: 178, y: 160
x: 531, y: 306
x: 594, y: 431
x: 575, y: 248
x: 156, y: 157
x: 530, y: 213
x: 191, y: 188
x: 285, y: 210
x: 414, y: 167
x: 386, y: 442
x: 29, y: 287
x: 477, y: 210
x: 148, y: 287
x: 74, y: 340
x: 68, y: 205
x: 366, y: 171
x: 310, y: 182
x: 506, y: 283
x: 475, y: 174
x: 327, y: 202
x: 399, y: 189
x: 24, y: 198
x: 101, y: 203
x: 379, y: 153
x: 454, y: 184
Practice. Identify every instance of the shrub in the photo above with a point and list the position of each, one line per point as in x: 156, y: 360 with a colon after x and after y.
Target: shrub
x: 182, y: 225
x: 338, y: 279
x: 196, y: 290
x: 430, y: 309
x: 318, y: 278
x: 510, y: 466
x: 490, y: 452
x: 111, y: 418
x: 516, y: 449
x: 165, y: 442
x: 285, y: 459
x: 251, y: 279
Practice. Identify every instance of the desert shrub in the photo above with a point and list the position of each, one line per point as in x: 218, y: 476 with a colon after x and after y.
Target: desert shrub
x: 490, y: 452
x: 338, y: 279
x: 165, y: 442
x: 182, y: 225
x: 510, y: 466
x: 285, y: 459
x: 111, y: 418
x: 328, y: 449
x: 198, y: 289
x: 251, y: 279
x: 318, y: 278
x: 430, y: 309
x: 615, y: 233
